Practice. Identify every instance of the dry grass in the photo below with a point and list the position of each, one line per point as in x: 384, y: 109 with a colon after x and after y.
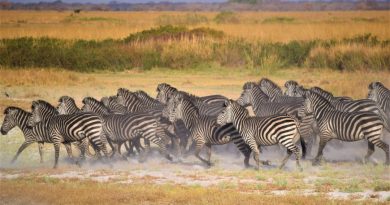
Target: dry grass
x: 102, y: 25
x: 32, y: 191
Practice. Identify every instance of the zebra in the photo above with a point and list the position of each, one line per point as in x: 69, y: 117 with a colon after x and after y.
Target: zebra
x: 67, y: 106
x: 204, y: 129
x: 252, y: 95
x: 120, y: 128
x: 112, y: 104
x: 134, y: 104
x: 275, y: 93
x: 165, y: 91
x: 381, y: 95
x: 353, y: 105
x: 147, y: 100
x: 17, y: 117
x: 276, y: 129
x: 68, y: 128
x: 345, y: 126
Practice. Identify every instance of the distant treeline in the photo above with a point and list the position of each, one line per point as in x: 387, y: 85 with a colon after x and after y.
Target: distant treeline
x: 181, y: 48
x: 232, y: 5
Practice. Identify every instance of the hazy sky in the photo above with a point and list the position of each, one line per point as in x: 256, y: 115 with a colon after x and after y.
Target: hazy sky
x: 106, y: 1
x: 136, y: 1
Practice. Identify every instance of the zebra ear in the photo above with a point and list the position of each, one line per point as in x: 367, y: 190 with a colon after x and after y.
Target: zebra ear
x: 306, y: 94
x: 34, y: 104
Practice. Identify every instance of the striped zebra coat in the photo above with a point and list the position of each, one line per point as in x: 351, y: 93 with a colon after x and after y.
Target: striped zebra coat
x: 68, y: 128
x: 204, y: 130
x: 120, y: 128
x: 17, y: 117
x: 345, y: 126
x: 256, y: 131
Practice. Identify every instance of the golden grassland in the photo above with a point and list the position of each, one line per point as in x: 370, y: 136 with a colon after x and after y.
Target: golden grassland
x: 102, y: 25
x: 25, y: 85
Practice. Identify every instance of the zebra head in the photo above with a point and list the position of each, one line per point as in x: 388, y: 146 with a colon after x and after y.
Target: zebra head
x: 93, y: 105
x: 270, y: 88
x: 307, y: 104
x: 164, y: 92
x: 112, y: 104
x: 299, y: 91
x: 10, y: 119
x: 65, y: 105
x: 105, y: 101
x: 41, y: 111
x: 226, y: 115
x: 245, y: 97
x: 291, y: 87
x: 373, y: 90
x: 170, y: 111
x: 125, y: 97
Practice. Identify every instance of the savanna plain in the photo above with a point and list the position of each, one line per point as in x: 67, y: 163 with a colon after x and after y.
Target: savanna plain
x: 49, y: 54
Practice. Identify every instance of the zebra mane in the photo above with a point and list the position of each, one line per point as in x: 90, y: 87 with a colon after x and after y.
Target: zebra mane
x: 142, y: 95
x: 270, y: 85
x: 317, y: 96
x: 322, y: 92
x: 163, y: 86
x: 375, y: 85
x: 188, y: 101
x: 95, y: 103
x: 248, y: 85
x: 65, y: 98
x: 93, y: 100
x: 10, y: 108
x: 47, y: 106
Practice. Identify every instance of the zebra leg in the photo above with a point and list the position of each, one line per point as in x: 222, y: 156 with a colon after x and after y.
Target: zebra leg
x: 175, y: 142
x: 40, y: 148
x: 83, y: 147
x: 120, y: 152
x: 20, y: 150
x: 371, y: 149
x: 289, y: 152
x: 198, y: 148
x: 145, y: 153
x: 256, y: 153
x: 244, y: 149
x: 317, y: 159
x: 56, y: 153
x: 385, y: 147
x: 208, y: 148
x: 68, y: 148
x: 187, y: 148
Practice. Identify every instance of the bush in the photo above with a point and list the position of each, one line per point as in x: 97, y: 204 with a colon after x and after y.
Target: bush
x: 169, y: 32
x: 189, y: 48
x: 226, y: 17
x: 279, y: 19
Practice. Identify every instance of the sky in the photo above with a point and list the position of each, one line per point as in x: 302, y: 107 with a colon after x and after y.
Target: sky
x: 106, y: 1
x: 128, y: 1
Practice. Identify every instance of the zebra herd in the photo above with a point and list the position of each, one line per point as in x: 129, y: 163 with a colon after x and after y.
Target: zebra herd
x: 179, y: 122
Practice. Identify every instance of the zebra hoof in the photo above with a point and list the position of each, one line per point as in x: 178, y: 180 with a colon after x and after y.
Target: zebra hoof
x: 266, y: 162
x: 168, y: 157
x: 316, y: 163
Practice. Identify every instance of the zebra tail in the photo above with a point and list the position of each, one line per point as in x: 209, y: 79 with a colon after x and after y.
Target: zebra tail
x: 304, y: 150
